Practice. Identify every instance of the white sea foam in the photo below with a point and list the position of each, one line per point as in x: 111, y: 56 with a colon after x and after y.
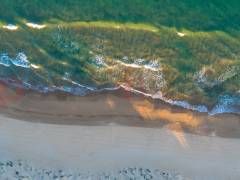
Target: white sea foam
x: 35, y: 66
x: 139, y: 61
x: 35, y: 26
x: 125, y: 58
x: 66, y: 77
x: 159, y: 95
x: 10, y: 27
x: 153, y: 64
x: 150, y: 65
x: 203, y: 79
x: 99, y: 60
x: 186, y: 105
x: 21, y: 60
x: 226, y: 104
x: 180, y: 34
x: 5, y: 60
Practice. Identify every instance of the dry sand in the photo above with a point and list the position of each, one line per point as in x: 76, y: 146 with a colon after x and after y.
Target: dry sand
x: 106, y: 148
x: 108, y: 131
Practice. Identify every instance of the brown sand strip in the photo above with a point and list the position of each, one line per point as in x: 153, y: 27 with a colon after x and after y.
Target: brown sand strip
x: 110, y: 108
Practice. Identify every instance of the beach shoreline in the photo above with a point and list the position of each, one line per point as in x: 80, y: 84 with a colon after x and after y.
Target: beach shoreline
x: 113, y: 108
x: 108, y: 131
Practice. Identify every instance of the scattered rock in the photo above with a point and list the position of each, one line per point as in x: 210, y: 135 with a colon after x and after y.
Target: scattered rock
x: 23, y: 171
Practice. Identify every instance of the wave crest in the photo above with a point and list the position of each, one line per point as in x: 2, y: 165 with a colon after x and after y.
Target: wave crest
x: 20, y: 60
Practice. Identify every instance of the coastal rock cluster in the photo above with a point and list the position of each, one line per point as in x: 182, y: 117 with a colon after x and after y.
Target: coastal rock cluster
x: 19, y: 170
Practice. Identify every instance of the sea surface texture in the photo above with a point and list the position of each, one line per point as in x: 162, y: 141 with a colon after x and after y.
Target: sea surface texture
x: 171, y: 51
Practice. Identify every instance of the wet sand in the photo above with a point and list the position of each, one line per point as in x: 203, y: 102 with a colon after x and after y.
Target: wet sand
x: 113, y: 108
x: 108, y: 131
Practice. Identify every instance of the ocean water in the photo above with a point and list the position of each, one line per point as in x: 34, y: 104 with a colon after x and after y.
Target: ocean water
x: 141, y: 77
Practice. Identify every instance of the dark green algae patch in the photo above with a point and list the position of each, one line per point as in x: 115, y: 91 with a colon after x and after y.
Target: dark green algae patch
x: 194, y: 15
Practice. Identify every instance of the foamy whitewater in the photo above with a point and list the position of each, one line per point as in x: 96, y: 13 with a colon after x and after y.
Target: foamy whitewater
x: 35, y: 26
x: 226, y: 104
x: 20, y: 60
x: 10, y: 27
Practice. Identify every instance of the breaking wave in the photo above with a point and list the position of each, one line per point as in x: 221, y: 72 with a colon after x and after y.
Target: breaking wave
x: 19, y: 72
x: 20, y: 60
x: 226, y: 104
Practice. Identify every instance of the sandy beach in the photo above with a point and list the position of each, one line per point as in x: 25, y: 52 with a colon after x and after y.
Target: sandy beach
x: 109, y: 131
